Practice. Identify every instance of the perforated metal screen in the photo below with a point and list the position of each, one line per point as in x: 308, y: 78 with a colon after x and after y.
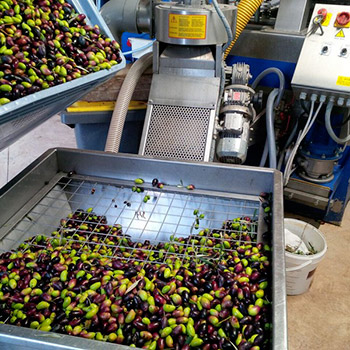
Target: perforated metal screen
x: 178, y: 132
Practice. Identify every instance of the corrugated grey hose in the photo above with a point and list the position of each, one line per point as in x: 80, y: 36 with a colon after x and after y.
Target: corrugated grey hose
x: 121, y: 107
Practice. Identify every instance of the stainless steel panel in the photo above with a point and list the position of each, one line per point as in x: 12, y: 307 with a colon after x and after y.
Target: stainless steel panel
x: 268, y: 44
x: 180, y: 117
x: 306, y: 198
x: 279, y: 316
x: 184, y: 91
x: 321, y: 68
x: 292, y: 16
x: 308, y: 187
x: 215, y: 31
x: 187, y: 61
x: 16, y: 338
x: 178, y: 132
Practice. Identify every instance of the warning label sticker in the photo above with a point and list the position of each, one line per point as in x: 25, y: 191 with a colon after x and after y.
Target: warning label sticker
x: 340, y: 34
x: 187, y: 26
x: 343, y: 81
x: 327, y: 20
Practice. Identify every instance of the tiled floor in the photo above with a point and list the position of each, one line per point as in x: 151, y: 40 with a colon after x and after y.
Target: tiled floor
x: 318, y: 319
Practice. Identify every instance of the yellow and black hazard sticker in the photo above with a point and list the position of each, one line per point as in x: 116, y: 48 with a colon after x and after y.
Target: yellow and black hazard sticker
x: 340, y: 34
x: 187, y: 26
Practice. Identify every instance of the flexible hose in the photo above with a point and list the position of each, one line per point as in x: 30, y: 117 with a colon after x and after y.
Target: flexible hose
x: 264, y: 155
x: 329, y: 128
x: 281, y: 79
x: 270, y: 128
x: 121, y: 107
x: 225, y: 23
x: 245, y: 11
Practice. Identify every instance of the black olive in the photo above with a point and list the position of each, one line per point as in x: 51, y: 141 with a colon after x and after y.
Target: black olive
x: 41, y: 52
x: 82, y: 41
x: 67, y: 10
x: 36, y: 32
x: 6, y: 59
x: 227, y: 346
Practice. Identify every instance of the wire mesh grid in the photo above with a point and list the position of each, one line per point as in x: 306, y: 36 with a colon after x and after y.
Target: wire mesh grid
x: 172, y: 217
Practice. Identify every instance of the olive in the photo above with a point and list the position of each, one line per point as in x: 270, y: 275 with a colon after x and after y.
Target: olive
x: 36, y: 32
x: 82, y: 41
x: 227, y: 346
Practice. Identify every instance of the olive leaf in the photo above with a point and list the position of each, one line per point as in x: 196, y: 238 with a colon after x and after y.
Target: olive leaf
x: 134, y: 285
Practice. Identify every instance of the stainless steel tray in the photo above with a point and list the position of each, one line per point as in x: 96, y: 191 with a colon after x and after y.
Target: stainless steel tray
x: 36, y: 199
x: 21, y: 116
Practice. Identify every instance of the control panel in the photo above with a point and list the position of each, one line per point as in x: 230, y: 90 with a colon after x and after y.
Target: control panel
x: 323, y: 67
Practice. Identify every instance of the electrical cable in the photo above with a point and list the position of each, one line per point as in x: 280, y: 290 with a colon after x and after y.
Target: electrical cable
x: 273, y: 101
x: 329, y: 128
x: 288, y: 169
x: 264, y: 154
x: 225, y: 23
x: 257, y: 118
x: 303, y: 106
x: 270, y: 128
x: 311, y: 119
x: 281, y: 79
x: 302, y: 103
x: 289, y: 141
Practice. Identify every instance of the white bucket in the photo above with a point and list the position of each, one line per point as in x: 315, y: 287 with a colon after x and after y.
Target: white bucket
x: 300, y: 269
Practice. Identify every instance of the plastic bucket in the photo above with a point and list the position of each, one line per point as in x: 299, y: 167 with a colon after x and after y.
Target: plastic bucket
x: 300, y: 269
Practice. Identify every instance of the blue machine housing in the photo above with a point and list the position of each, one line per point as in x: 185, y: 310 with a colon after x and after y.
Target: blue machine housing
x: 317, y: 144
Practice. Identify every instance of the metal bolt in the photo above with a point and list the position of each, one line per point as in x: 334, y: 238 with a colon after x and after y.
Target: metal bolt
x: 340, y: 101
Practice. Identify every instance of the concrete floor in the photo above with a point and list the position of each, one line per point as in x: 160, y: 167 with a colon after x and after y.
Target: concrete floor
x: 317, y: 320
x: 320, y: 318
x: 19, y: 155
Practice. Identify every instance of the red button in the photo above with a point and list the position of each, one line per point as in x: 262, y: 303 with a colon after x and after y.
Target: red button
x: 322, y: 12
x: 343, y: 18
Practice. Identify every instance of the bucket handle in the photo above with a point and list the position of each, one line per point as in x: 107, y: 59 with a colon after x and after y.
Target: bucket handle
x: 295, y: 268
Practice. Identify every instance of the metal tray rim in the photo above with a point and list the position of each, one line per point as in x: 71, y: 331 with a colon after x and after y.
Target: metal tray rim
x: 279, y: 292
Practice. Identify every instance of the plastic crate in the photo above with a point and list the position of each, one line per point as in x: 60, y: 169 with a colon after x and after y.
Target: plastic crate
x: 19, y: 117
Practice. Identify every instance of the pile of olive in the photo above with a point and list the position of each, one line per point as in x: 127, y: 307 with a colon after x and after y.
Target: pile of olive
x: 44, y: 43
